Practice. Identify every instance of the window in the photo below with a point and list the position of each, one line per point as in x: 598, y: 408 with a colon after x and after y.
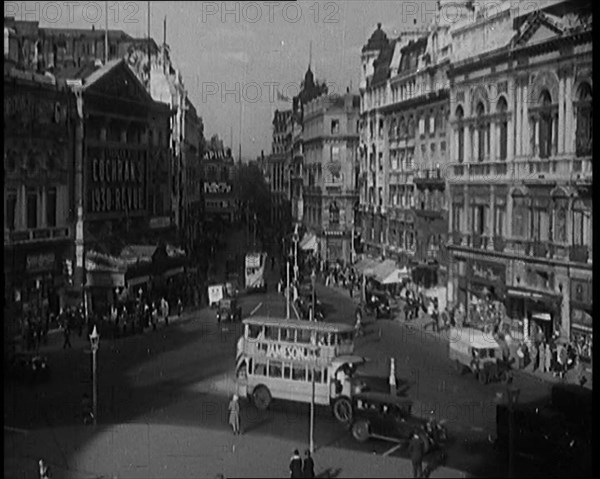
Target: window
x: 520, y: 217
x: 298, y: 373
x: 545, y: 125
x: 422, y: 126
x: 335, y: 127
x: 272, y: 332
x: 582, y: 222
x: 461, y: 135
x: 31, y: 209
x: 392, y: 130
x: 478, y: 219
x: 560, y: 220
x: 319, y: 377
x: 456, y: 216
x: 380, y: 197
x: 254, y: 331
x: 380, y: 128
x: 287, y: 371
x: 431, y: 125
x: 502, y: 129
x: 500, y: 212
x: 275, y: 369
x: 583, y: 146
x: 334, y: 214
x: 482, y: 132
x: 51, y: 207
x: 11, y: 209
x: 260, y: 368
x: 380, y: 163
x: 288, y: 334
x: 411, y: 127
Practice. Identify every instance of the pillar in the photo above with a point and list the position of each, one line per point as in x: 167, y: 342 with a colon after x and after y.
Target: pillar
x: 518, y: 119
x: 526, y: 148
x: 493, y: 140
x: 569, y: 119
x: 42, y: 219
x: 561, y: 115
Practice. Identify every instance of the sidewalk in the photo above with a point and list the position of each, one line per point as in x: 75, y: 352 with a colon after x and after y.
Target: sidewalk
x: 165, y: 451
x: 424, y: 320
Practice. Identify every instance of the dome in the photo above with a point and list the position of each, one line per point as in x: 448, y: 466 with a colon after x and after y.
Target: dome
x: 378, y: 40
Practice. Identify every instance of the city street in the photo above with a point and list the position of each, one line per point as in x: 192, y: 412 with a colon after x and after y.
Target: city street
x: 176, y: 382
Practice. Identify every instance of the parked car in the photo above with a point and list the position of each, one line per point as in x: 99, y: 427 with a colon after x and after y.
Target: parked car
x: 28, y: 367
x: 388, y: 417
x: 377, y: 304
x: 228, y: 310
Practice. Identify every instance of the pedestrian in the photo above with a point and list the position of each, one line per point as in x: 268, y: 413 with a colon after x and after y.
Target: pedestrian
x: 562, y: 361
x: 416, y: 447
x: 67, y: 335
x: 234, y: 414
x: 308, y: 465
x: 296, y: 465
x: 179, y: 307
x: 548, y: 357
x: 542, y: 357
x: 154, y: 316
x: 44, y: 471
x: 534, y: 356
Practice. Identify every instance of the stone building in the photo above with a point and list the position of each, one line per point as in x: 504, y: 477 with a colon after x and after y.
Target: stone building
x: 330, y: 142
x: 520, y: 179
x: 38, y: 215
x: 279, y: 168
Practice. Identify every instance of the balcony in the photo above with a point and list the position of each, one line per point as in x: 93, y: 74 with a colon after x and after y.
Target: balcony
x: 579, y: 253
x: 467, y: 171
x: 39, y: 234
x: 429, y: 177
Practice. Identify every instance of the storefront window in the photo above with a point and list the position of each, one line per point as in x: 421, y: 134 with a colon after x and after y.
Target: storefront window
x: 31, y: 209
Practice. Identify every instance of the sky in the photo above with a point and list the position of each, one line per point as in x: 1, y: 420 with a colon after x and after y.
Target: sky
x: 235, y: 56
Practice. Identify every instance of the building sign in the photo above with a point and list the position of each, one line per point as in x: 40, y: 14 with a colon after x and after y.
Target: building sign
x: 40, y: 262
x: 116, y: 180
x: 288, y: 351
x: 487, y: 272
x: 217, y: 188
x: 160, y: 222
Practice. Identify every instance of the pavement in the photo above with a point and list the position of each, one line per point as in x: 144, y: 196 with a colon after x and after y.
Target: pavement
x: 423, y: 324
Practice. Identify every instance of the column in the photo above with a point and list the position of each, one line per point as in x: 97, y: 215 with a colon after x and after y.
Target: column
x: 510, y: 138
x: 493, y: 140
x: 464, y: 227
x: 525, y: 123
x: 21, y: 214
x: 42, y: 223
x: 518, y: 118
x: 561, y: 115
x: 569, y: 119
x: 508, y: 219
x: 492, y: 217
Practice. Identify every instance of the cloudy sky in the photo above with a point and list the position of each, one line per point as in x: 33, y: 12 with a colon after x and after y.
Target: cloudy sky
x: 235, y: 55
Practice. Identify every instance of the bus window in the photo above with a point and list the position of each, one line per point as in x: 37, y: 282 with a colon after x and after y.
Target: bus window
x: 346, y: 338
x: 253, y: 331
x: 288, y: 334
x: 272, y: 332
x: 322, y: 339
x: 287, y: 371
x: 299, y: 373
x: 303, y: 336
x: 318, y: 375
x: 260, y: 369
x: 275, y: 369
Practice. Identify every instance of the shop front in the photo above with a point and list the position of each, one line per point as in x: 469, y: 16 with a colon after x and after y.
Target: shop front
x: 337, y: 246
x: 581, y: 333
x: 538, y: 311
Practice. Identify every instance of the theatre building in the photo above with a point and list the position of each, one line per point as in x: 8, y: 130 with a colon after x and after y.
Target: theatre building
x: 38, y: 235
x: 125, y: 172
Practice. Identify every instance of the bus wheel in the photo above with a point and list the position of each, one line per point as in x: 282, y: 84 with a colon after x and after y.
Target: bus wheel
x: 342, y: 410
x: 360, y: 430
x: 261, y: 397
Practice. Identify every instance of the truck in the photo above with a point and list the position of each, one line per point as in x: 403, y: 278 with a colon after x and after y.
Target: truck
x: 254, y: 271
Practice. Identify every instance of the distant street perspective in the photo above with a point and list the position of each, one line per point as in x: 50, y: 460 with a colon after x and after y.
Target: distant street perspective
x: 384, y: 271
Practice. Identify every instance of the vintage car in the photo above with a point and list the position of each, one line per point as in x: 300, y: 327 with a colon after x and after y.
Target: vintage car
x: 387, y: 417
x: 228, y: 310
x: 28, y: 367
x: 377, y: 304
x: 478, y: 352
x: 304, y: 303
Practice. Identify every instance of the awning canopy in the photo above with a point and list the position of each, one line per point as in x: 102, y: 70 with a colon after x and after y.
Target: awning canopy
x: 309, y: 242
x: 366, y: 266
x: 393, y: 275
x: 135, y: 253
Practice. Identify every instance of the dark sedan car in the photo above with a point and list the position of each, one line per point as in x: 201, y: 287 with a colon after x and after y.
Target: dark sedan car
x: 228, y: 310
x: 387, y: 417
x: 28, y: 367
x: 376, y: 304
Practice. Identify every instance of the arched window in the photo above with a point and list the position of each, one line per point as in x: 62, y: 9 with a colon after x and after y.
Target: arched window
x: 481, y: 132
x: 584, y: 120
x: 392, y: 132
x: 461, y: 134
x: 402, y: 128
x: 545, y: 119
x: 334, y: 214
x: 502, y: 128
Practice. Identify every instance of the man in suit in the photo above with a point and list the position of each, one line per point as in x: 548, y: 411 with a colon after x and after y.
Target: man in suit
x: 296, y: 465
x: 416, y: 448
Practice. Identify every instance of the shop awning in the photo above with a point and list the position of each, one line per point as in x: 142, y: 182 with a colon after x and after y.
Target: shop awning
x: 541, y: 316
x: 398, y: 275
x: 173, y: 272
x: 135, y: 253
x: 138, y: 280
x: 366, y: 266
x: 309, y: 242
x: 388, y: 273
x: 104, y: 279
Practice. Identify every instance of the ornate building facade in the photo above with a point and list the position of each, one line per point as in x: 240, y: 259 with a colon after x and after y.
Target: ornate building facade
x: 520, y: 179
x: 330, y: 143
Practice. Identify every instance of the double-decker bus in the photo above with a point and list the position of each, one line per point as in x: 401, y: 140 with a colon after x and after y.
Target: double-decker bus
x: 254, y: 271
x: 285, y: 358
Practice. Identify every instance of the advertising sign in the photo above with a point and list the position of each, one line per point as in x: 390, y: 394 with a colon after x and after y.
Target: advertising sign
x: 217, y: 188
x: 116, y: 180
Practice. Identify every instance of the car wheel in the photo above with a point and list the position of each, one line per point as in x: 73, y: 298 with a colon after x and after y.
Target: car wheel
x: 342, y: 410
x: 361, y: 430
x: 261, y: 397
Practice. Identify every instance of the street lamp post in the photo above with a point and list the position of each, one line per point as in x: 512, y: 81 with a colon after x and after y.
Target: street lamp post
x: 95, y: 342
x: 312, y: 409
x: 287, y: 290
x: 313, y: 278
x: 513, y: 397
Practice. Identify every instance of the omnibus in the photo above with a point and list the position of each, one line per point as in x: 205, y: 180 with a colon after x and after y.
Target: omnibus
x: 279, y: 358
x: 254, y: 271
